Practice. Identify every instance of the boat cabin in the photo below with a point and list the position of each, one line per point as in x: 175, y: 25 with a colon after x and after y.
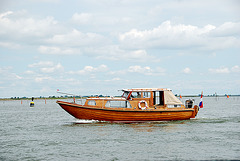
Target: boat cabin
x: 139, y: 98
x: 155, y: 97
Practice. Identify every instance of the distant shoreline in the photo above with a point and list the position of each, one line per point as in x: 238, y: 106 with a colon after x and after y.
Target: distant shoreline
x: 38, y: 98
x: 84, y: 97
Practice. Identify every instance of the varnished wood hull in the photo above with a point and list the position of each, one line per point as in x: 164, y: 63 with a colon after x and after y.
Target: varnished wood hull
x: 126, y: 115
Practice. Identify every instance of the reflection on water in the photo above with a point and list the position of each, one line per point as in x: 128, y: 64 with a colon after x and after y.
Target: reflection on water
x: 151, y: 127
x: 140, y: 127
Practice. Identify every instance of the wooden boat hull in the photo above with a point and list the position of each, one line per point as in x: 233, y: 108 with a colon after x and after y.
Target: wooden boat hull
x: 126, y: 115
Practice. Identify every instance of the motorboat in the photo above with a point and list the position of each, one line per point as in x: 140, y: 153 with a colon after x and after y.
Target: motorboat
x: 135, y: 105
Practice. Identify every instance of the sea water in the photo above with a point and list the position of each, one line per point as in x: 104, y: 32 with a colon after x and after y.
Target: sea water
x: 47, y: 132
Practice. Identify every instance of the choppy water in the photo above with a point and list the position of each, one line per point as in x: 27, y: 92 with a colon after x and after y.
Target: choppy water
x: 46, y: 132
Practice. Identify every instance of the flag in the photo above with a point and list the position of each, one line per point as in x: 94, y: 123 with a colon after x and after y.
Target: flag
x: 227, y: 96
x: 201, y: 103
x: 180, y: 96
x: 57, y: 89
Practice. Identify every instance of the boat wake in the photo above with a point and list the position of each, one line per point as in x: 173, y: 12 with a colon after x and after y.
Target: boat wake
x: 216, y: 119
x: 79, y: 121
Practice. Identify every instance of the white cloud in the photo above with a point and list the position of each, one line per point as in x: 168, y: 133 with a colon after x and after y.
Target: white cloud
x: 115, y: 53
x: 225, y: 70
x: 139, y: 55
x: 94, y: 71
x: 235, y: 69
x: 76, y: 38
x: 41, y: 79
x: 74, y: 42
x: 3, y: 15
x: 165, y: 35
x: 5, y: 69
x: 25, y: 26
x: 9, y: 45
x: 116, y: 79
x: 227, y: 29
x: 146, y: 70
x: 58, y: 50
x: 221, y: 70
x: 90, y: 69
x: 81, y: 18
x: 55, y: 68
x: 169, y: 35
x: 139, y: 69
x: 41, y: 64
x: 187, y: 70
x: 29, y: 72
x: 119, y: 72
x: 46, y: 67
x: 48, y: 1
x: 113, y: 80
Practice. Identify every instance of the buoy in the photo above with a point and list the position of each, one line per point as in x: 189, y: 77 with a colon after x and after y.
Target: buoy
x: 31, y: 104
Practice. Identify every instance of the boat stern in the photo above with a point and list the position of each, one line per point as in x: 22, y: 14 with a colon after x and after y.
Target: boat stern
x: 195, y: 112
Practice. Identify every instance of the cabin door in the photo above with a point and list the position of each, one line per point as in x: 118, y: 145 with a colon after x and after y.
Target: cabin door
x: 158, y: 98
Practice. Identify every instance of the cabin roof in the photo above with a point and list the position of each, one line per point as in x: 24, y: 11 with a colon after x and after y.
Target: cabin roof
x: 146, y: 89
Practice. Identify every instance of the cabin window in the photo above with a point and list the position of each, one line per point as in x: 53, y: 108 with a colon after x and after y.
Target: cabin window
x: 118, y: 104
x: 158, y: 98
x: 92, y: 102
x: 125, y: 94
x: 146, y: 94
x: 136, y: 95
x: 173, y: 106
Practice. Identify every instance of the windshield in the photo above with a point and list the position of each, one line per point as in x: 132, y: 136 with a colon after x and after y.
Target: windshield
x: 125, y: 94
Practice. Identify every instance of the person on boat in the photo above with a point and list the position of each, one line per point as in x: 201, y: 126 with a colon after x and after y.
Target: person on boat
x: 138, y: 95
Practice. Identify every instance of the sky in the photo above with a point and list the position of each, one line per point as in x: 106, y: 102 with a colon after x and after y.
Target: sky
x: 89, y: 47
